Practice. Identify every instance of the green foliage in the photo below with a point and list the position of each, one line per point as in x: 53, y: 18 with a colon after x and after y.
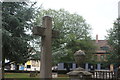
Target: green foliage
x: 114, y: 41
x: 17, y: 18
x: 35, y: 56
x: 74, y: 34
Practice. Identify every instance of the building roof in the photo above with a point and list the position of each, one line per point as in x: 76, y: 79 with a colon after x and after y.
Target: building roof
x: 102, y: 46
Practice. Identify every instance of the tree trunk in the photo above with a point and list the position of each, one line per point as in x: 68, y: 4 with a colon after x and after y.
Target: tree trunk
x: 0, y: 67
x: 3, y: 66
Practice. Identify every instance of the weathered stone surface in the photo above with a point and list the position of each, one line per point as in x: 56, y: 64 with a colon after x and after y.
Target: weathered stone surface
x: 46, y: 53
x: 47, y: 34
x: 79, y: 57
x: 41, y: 32
x: 79, y: 71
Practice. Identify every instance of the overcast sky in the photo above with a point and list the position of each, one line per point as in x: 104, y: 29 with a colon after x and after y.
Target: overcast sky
x: 100, y: 14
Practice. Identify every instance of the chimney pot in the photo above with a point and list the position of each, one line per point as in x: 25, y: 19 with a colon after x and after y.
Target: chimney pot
x: 97, y: 38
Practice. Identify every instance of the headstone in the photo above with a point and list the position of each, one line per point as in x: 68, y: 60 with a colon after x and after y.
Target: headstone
x: 46, y: 33
x: 54, y: 75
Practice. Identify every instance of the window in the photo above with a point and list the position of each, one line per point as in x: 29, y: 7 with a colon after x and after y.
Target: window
x: 69, y: 65
x: 102, y: 57
x: 28, y: 66
x: 106, y: 48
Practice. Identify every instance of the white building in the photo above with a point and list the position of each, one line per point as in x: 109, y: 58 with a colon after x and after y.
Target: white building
x: 32, y: 65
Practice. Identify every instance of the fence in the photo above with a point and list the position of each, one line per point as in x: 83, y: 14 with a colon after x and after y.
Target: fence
x: 96, y: 75
x: 104, y: 75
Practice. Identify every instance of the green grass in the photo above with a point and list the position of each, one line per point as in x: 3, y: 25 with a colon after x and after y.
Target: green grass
x: 25, y: 76
x: 23, y: 79
x: 20, y: 76
x: 17, y: 75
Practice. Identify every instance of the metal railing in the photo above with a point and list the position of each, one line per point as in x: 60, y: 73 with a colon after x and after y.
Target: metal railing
x: 104, y: 75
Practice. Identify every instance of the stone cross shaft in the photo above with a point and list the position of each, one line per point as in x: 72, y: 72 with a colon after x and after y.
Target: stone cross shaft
x: 46, y: 33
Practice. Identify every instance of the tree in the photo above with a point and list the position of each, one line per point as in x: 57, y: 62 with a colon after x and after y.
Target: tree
x: 114, y: 41
x: 74, y: 34
x: 15, y: 23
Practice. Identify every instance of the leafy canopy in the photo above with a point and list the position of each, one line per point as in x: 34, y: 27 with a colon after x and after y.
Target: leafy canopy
x: 114, y: 41
x: 74, y: 34
x: 17, y: 18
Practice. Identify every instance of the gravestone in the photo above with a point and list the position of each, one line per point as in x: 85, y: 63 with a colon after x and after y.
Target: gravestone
x: 79, y: 73
x: 47, y: 34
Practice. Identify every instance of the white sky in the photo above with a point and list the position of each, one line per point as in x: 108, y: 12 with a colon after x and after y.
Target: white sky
x: 100, y: 14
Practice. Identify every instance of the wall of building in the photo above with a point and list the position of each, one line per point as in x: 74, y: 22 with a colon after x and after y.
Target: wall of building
x: 32, y: 65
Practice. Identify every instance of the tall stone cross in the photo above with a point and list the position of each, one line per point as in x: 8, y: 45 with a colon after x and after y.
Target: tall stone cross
x: 47, y: 34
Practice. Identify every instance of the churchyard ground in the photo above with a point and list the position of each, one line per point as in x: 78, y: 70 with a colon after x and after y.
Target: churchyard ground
x: 26, y: 76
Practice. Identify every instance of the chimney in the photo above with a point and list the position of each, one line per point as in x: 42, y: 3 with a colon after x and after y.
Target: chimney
x: 97, y: 38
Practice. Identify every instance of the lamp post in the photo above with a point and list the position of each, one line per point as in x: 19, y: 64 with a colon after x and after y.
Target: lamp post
x: 79, y: 57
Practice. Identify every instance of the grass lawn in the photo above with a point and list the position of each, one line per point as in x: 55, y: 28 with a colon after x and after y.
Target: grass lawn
x: 17, y: 75
x: 25, y: 76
